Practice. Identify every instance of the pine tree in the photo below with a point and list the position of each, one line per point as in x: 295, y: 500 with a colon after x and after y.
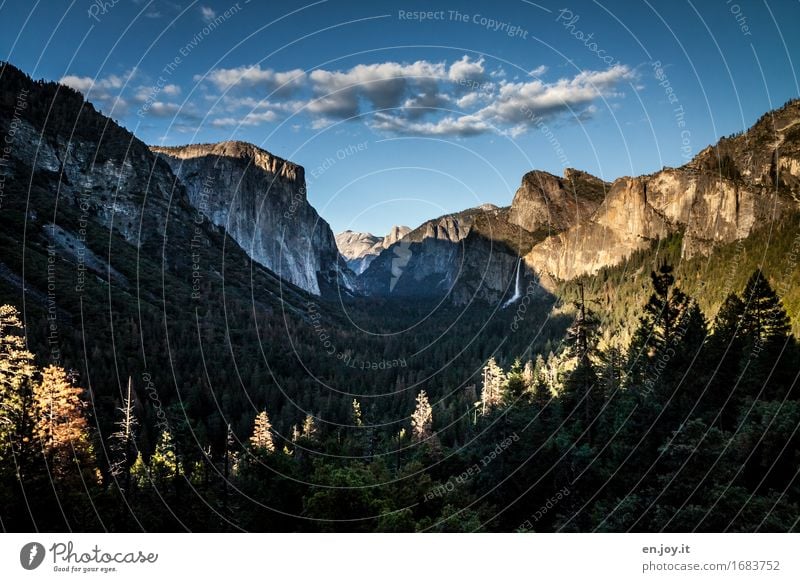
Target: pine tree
x: 764, y: 319
x: 610, y: 370
x: 724, y: 350
x: 231, y: 459
x: 163, y: 467
x: 658, y: 331
x: 357, y: 418
x: 529, y: 375
x: 494, y: 382
x: 581, y: 386
x: 663, y: 308
x: 61, y: 426
x: 773, y: 354
x: 422, y: 418
x: 515, y: 383
x: 139, y: 473
x: 362, y: 436
x: 310, y: 428
x: 261, y: 439
x: 664, y: 370
x: 16, y: 383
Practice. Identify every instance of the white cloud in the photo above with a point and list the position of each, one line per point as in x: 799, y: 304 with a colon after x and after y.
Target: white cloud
x: 105, y: 92
x: 249, y: 119
x: 521, y: 102
x: 171, y: 90
x: 250, y: 76
x: 467, y: 70
x: 469, y: 100
x: 464, y: 97
x: 207, y: 13
x: 384, y: 85
x: 148, y: 93
x: 162, y: 109
x: 539, y: 71
x: 462, y: 126
x: 85, y: 84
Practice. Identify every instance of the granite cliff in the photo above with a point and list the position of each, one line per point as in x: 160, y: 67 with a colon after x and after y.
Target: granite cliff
x: 721, y: 196
x: 260, y: 200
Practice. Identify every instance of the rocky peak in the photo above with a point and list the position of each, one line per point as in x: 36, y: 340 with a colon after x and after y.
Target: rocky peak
x: 278, y: 167
x: 545, y: 201
x: 360, y: 248
x: 395, y: 234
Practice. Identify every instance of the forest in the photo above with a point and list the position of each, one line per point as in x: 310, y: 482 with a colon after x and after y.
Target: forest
x: 691, y: 426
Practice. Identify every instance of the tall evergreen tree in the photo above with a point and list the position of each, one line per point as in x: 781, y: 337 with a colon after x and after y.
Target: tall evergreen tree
x: 494, y: 384
x: 422, y: 418
x: 17, y: 372
x: 657, y: 334
x: 164, y: 467
x: 261, y: 439
x: 310, y: 430
x: 581, y: 392
x: 515, y: 382
x: 770, y: 347
x: 724, y: 350
x: 61, y: 426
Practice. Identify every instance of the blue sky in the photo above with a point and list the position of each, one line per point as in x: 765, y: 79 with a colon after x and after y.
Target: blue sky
x: 399, y: 118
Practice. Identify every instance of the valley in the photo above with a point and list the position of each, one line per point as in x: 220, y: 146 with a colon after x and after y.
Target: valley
x: 194, y: 288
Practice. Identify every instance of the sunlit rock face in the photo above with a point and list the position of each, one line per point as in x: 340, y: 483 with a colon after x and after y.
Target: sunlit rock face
x: 719, y: 197
x: 545, y: 201
x: 260, y: 200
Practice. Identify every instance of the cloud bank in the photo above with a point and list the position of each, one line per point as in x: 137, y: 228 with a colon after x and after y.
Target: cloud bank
x: 457, y: 99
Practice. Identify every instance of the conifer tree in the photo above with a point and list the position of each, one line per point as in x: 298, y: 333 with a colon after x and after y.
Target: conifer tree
x: 529, y: 374
x: 515, y: 382
x: 61, y: 427
x: 494, y: 383
x: 261, y: 439
x: 163, y: 466
x: 581, y: 386
x: 16, y: 383
x: 769, y: 345
x: 357, y: 418
x: 658, y: 332
x: 724, y: 349
x: 659, y: 322
x: 231, y: 459
x: 422, y: 418
x: 764, y: 317
x: 309, y: 427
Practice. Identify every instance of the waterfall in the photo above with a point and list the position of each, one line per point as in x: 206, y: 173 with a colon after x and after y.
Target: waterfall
x: 517, y: 288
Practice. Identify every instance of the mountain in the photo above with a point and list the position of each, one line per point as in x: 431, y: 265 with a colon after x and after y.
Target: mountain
x: 134, y: 276
x: 575, y: 225
x: 545, y: 201
x: 474, y: 254
x: 723, y: 195
x: 260, y: 200
x: 119, y: 276
x: 360, y: 248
